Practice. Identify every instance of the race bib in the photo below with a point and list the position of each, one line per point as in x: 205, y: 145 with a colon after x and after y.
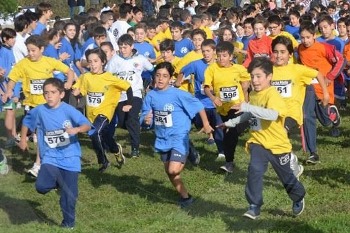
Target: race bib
x: 36, y: 86
x: 163, y: 118
x: 284, y: 87
x: 94, y: 99
x: 56, y: 138
x: 255, y: 124
x: 228, y: 94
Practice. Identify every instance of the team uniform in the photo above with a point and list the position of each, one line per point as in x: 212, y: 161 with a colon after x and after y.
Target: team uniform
x: 51, y: 51
x: 172, y: 111
x: 269, y: 143
x: 258, y: 47
x: 226, y: 84
x: 102, y: 92
x: 187, y: 84
x: 182, y: 47
x: 130, y: 69
x: 148, y: 51
x: 33, y: 75
x: 74, y: 52
x: 197, y: 68
x: 60, y: 153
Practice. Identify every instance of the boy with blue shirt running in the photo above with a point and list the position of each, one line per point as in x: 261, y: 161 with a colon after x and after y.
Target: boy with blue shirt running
x: 170, y: 110
x: 198, y: 68
x: 182, y: 45
x: 57, y: 125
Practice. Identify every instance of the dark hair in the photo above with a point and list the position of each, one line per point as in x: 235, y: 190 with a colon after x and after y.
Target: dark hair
x: 285, y: 41
x: 222, y: 31
x: 263, y: 63
x: 99, y: 52
x: 165, y: 65
x: 42, y: 7
x: 166, y: 45
x: 307, y: 26
x: 7, y: 33
x: 326, y: 18
x: 124, y: 9
x: 36, y: 40
x: 56, y: 83
x: 275, y: 19
x: 49, y: 35
x: 125, y: 39
x: 199, y: 32
x: 99, y: 31
x: 176, y: 24
x: 21, y: 22
x: 209, y: 42
x: 225, y: 46
x: 107, y: 43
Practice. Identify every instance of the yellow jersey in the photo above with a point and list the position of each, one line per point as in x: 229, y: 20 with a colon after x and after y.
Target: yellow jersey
x: 290, y: 81
x: 270, y: 134
x: 33, y: 75
x: 207, y: 31
x: 226, y: 84
x: 102, y: 93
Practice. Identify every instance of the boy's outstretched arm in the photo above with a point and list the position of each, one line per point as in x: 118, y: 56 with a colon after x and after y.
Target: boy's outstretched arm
x: 206, y: 126
x: 70, y: 79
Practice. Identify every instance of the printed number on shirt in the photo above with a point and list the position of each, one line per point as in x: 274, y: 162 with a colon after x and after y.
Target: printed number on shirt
x: 94, y: 99
x: 163, y: 118
x: 127, y: 75
x: 228, y: 94
x: 284, y: 87
x: 36, y: 86
x: 56, y: 138
x: 255, y: 124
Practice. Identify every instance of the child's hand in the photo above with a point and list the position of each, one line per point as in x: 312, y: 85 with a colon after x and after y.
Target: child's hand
x: 207, y: 128
x: 126, y: 108
x: 23, y: 145
x: 2, y: 72
x: 148, y: 118
x: 76, y: 91
x: 325, y: 99
x: 64, y: 56
x: 68, y: 85
x: 221, y: 126
x: 58, y: 45
x: 217, y: 102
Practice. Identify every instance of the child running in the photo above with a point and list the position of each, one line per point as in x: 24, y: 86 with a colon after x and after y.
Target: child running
x: 102, y: 91
x: 170, y: 110
x: 57, y: 125
x: 268, y: 142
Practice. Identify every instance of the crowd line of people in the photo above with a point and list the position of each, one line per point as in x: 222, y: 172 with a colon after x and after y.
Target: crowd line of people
x: 267, y: 65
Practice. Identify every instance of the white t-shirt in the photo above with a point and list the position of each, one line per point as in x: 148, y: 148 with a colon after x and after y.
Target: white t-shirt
x: 119, y: 28
x: 19, y: 48
x: 130, y: 70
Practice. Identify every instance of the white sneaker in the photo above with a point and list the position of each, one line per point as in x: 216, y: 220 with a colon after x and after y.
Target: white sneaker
x: 34, y: 170
x: 221, y: 156
x: 4, y: 168
x: 228, y: 167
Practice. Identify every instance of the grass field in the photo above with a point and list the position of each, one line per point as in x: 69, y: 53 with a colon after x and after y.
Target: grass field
x: 139, y: 198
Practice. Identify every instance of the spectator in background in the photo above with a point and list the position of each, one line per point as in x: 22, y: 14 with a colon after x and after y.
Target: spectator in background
x: 94, y: 3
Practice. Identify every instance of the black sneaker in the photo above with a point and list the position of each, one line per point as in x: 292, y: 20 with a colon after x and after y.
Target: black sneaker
x: 253, y: 212
x: 298, y: 207
x: 185, y: 202
x: 135, y: 153
x: 313, y: 158
x: 193, y: 156
x: 104, y: 167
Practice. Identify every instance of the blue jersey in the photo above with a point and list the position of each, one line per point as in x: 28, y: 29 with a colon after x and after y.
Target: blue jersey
x: 183, y: 47
x: 197, y: 68
x: 55, y: 145
x: 51, y: 51
x: 245, y: 41
x: 294, y: 31
x: 40, y: 27
x: 7, y: 61
x: 336, y: 41
x: 172, y: 111
x: 74, y: 52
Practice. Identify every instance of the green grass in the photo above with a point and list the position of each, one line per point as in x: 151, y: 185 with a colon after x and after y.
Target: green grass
x: 139, y: 198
